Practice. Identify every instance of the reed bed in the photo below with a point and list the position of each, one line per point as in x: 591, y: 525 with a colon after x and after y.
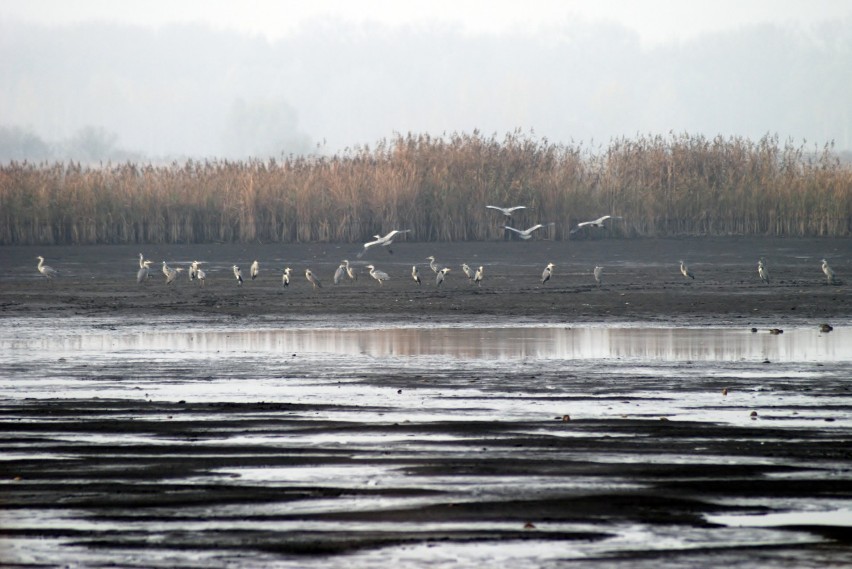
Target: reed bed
x: 661, y: 185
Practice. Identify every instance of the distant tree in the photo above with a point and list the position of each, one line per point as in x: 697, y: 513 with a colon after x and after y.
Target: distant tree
x: 263, y: 129
x: 17, y: 144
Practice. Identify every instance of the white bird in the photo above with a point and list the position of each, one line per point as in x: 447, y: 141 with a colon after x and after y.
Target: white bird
x: 193, y: 270
x: 829, y: 273
x: 441, y: 274
x: 598, y: 275
x: 415, y: 274
x: 684, y: 270
x: 141, y: 260
x: 380, y: 276
x: 49, y: 272
x: 338, y: 274
x: 350, y: 271
x: 254, y: 270
x: 383, y: 241
x: 238, y: 274
x: 507, y: 211
x: 548, y: 272
x: 312, y: 279
x: 433, y: 265
x: 477, y: 278
x: 173, y: 274
x: 285, y: 277
x: 762, y: 271
x: 527, y: 233
x: 142, y: 275
x: 467, y: 271
x: 166, y: 270
x: 595, y: 223
x: 200, y: 275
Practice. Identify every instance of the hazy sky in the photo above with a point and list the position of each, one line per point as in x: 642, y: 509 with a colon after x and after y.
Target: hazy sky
x: 264, y: 77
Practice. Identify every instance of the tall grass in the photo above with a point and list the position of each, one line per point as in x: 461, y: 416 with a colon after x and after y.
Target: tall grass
x: 438, y: 187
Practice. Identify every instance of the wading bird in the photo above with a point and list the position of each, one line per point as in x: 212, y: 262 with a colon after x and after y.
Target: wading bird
x: 254, y: 270
x: 238, y: 274
x: 598, y: 275
x: 380, y: 276
x: 142, y: 275
x: 762, y: 271
x: 200, y: 275
x: 467, y: 271
x: 312, y: 279
x: 441, y: 274
x: 507, y: 211
x: 829, y: 273
x: 141, y: 260
x: 338, y: 274
x: 548, y: 272
x: 350, y: 271
x: 285, y: 277
x: 166, y: 269
x: 48, y: 272
x: 477, y: 278
x: 684, y: 270
x: 436, y: 268
x: 194, y: 270
x: 415, y: 274
x: 383, y: 241
x: 599, y: 222
x: 527, y: 233
x: 173, y: 274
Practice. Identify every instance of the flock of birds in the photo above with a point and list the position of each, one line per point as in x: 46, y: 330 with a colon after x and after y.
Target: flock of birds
x: 346, y: 270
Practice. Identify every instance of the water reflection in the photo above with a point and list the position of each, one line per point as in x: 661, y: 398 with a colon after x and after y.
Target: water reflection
x: 640, y: 343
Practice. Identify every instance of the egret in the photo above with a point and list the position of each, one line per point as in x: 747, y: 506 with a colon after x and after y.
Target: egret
x: 49, y: 272
x: 415, y: 274
x: 338, y: 274
x: 829, y: 273
x: 433, y: 265
x: 527, y: 233
x: 598, y: 275
x: 254, y: 270
x: 142, y: 275
x: 762, y: 271
x: 507, y: 211
x: 441, y: 274
x: 467, y: 271
x: 599, y: 222
x: 477, y: 278
x: 684, y: 270
x: 285, y: 277
x: 312, y: 279
x: 383, y: 241
x: 548, y: 272
x: 350, y: 271
x: 380, y: 276
x: 238, y: 274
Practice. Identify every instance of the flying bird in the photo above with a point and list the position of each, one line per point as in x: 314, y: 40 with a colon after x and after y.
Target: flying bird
x: 441, y: 274
x: 527, y: 233
x: 415, y: 274
x: 684, y: 270
x: 49, y: 272
x: 285, y: 277
x: 507, y: 211
x: 142, y: 275
x: 383, y: 241
x: 762, y: 271
x: 598, y: 275
x: 548, y: 272
x: 254, y: 270
x: 312, y: 279
x: 238, y: 274
x: 477, y: 277
x: 599, y: 222
x: 380, y: 276
x: 829, y: 273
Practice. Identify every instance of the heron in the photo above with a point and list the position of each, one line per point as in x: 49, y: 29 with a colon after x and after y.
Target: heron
x: 350, y: 271
x: 383, y: 241
x: 338, y: 274
x: 254, y: 270
x: 312, y: 279
x: 436, y: 268
x: 193, y: 270
x: 166, y: 269
x: 172, y: 274
x: 598, y: 274
x: 507, y: 211
x: 684, y: 270
x: 441, y: 274
x: 238, y: 274
x: 527, y: 233
x: 285, y: 277
x: 477, y: 277
x: 829, y: 273
x: 467, y: 271
x: 548, y: 272
x: 141, y: 260
x: 48, y: 272
x: 599, y: 222
x: 762, y: 271
x: 142, y: 275
x: 380, y: 276
x: 415, y: 274
x: 200, y: 275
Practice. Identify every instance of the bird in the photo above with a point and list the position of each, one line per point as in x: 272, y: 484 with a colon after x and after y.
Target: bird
x: 467, y: 271
x: 141, y: 260
x: 48, y: 272
x: 507, y: 211
x: 193, y: 270
x: 441, y: 274
x: 477, y: 277
x: 684, y: 270
x: 238, y: 274
x: 142, y: 275
x: 312, y: 279
x: 350, y: 271
x: 254, y: 270
x: 200, y: 275
x: 285, y: 277
x: 436, y: 268
x: 598, y: 275
x: 526, y: 233
x: 338, y: 274
x: 548, y: 272
x: 599, y: 222
x: 762, y: 271
x: 172, y: 274
x: 415, y: 274
x: 166, y: 269
x: 380, y: 276
x: 383, y: 241
x: 829, y: 273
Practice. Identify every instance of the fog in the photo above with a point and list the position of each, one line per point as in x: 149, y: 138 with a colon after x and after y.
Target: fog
x: 119, y: 92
